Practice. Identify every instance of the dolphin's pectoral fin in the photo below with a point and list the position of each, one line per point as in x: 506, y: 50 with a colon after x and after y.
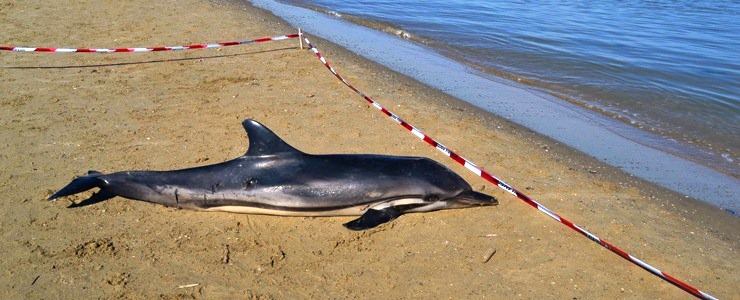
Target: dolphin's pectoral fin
x: 100, y: 196
x: 373, y: 217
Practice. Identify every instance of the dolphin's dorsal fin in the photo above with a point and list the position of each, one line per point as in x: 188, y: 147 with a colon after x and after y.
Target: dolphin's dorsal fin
x: 262, y: 141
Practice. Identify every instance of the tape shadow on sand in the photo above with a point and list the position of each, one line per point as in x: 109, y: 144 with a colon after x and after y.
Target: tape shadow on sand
x: 147, y: 61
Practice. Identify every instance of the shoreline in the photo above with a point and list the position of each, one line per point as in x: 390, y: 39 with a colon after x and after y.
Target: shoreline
x: 184, y: 109
x: 711, y: 153
x: 638, y: 152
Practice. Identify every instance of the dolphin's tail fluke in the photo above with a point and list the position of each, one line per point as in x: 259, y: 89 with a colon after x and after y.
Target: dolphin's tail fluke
x: 80, y: 184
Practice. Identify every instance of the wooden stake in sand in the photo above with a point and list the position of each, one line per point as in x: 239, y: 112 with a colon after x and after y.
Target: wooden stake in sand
x: 300, y: 37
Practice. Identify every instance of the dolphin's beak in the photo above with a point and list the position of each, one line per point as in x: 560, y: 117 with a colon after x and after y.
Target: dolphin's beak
x: 471, y: 199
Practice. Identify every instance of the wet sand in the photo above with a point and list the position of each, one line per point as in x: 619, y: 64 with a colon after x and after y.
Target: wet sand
x: 64, y: 114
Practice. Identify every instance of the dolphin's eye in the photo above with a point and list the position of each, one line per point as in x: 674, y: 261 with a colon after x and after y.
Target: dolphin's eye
x: 249, y: 182
x: 432, y: 198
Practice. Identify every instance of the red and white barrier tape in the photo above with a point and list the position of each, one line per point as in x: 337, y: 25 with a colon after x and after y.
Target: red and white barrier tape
x: 165, y: 48
x: 418, y: 133
x: 492, y: 179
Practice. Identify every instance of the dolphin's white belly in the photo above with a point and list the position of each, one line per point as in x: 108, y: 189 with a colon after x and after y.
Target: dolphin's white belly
x: 346, y: 211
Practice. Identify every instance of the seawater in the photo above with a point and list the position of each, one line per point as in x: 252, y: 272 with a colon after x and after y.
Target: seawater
x: 668, y: 67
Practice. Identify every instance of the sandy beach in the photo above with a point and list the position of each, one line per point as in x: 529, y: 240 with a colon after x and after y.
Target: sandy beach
x: 65, y: 114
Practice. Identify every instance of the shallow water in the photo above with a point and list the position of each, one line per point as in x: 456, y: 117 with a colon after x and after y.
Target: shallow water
x: 669, y: 67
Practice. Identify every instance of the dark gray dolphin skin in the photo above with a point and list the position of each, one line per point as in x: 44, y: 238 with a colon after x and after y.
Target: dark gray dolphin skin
x: 276, y: 179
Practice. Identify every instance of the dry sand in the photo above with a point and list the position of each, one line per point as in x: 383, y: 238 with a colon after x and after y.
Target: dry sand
x: 63, y: 114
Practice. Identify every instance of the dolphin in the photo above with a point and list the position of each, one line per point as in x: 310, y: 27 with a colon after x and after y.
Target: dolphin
x: 274, y: 178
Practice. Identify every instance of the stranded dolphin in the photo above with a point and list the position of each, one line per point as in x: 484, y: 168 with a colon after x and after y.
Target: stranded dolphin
x: 276, y: 179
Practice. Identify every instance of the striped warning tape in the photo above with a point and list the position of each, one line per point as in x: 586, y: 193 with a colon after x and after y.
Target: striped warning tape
x: 150, y: 49
x: 492, y: 179
x: 454, y: 156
